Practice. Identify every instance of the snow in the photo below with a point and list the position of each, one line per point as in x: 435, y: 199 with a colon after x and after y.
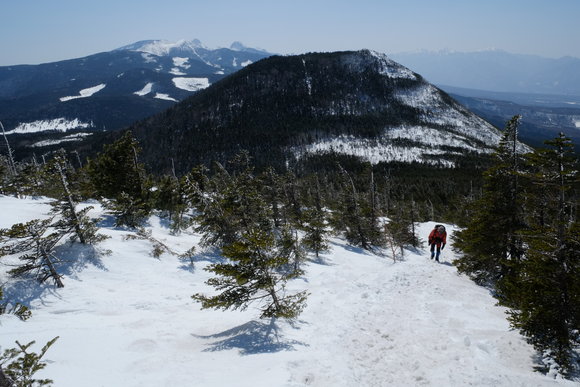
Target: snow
x: 69, y: 138
x: 84, y: 93
x: 127, y: 319
x: 176, y: 71
x: 577, y: 124
x: 374, y: 151
x: 56, y: 124
x: 165, y: 97
x: 191, y: 84
x: 148, y: 57
x: 391, y: 68
x: 181, y: 62
x: 246, y: 63
x: 428, y: 146
x: 162, y: 47
x: 145, y: 90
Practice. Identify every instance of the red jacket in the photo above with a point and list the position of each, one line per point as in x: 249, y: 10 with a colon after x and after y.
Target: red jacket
x: 437, y: 238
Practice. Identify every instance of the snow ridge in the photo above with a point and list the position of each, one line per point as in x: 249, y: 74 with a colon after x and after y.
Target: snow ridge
x: 69, y: 138
x: 390, y: 68
x: 84, y: 93
x: 145, y: 90
x: 56, y: 124
x: 165, y: 97
x: 191, y: 84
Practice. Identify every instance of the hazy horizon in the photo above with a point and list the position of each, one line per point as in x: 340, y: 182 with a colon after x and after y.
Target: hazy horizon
x: 41, y: 32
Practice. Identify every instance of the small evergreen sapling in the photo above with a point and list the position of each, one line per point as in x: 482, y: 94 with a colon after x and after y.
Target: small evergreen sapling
x: 255, y: 273
x: 22, y: 364
x: 19, y: 310
x: 70, y: 220
x: 315, y: 225
x: 261, y: 258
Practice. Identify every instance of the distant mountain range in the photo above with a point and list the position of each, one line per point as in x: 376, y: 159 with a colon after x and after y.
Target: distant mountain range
x: 539, y: 122
x: 497, y: 85
x: 50, y: 105
x: 109, y: 90
x: 496, y: 70
x: 285, y: 110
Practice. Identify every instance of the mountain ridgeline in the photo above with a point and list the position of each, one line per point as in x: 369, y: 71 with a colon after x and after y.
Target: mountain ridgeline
x: 46, y: 106
x: 289, y: 109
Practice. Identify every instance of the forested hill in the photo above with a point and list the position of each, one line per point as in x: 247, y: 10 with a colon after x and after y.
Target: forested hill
x: 285, y: 108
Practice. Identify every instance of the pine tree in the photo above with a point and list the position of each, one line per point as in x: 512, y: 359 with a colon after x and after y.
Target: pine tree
x: 315, y: 225
x: 71, y: 220
x: 491, y: 243
x: 357, y: 217
x: 171, y: 199
x: 399, y: 232
x: 19, y: 310
x: 22, y: 366
x: 117, y: 175
x: 272, y: 190
x: 237, y: 218
x: 255, y: 272
x: 547, y: 290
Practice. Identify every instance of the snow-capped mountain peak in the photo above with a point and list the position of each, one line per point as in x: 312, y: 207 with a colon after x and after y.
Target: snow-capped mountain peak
x: 164, y: 47
x: 240, y: 47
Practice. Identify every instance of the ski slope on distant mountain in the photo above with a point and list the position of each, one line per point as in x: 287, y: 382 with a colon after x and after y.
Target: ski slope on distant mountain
x: 127, y: 319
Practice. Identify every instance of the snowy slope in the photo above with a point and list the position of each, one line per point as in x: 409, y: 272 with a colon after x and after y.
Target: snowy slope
x: 58, y: 124
x: 127, y: 319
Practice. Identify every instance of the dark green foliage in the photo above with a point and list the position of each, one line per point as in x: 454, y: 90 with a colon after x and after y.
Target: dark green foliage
x: 236, y: 217
x: 356, y: 215
x: 117, y: 175
x: 70, y: 220
x: 316, y: 224
x: 254, y: 273
x: 490, y: 243
x: 400, y: 230
x: 524, y: 240
x: 276, y: 104
x: 547, y: 289
x: 232, y: 204
x: 22, y: 364
x: 548, y: 296
x: 171, y: 198
x: 128, y: 210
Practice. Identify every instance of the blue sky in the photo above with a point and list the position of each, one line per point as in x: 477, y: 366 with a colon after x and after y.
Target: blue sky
x: 37, y: 31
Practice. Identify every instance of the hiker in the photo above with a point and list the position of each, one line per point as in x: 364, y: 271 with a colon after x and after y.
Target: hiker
x: 437, y: 237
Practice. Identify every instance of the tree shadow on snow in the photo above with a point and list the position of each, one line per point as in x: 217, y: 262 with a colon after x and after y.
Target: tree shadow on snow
x: 253, y: 337
x: 354, y: 249
x: 211, y: 255
x: 320, y: 260
x: 26, y: 290
x: 72, y: 259
x: 75, y: 257
x: 446, y: 263
x: 107, y: 221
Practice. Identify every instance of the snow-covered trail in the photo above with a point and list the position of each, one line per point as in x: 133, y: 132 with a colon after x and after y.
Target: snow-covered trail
x: 415, y: 322
x: 127, y: 319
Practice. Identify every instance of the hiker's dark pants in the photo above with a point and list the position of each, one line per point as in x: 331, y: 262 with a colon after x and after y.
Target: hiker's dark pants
x: 433, y: 251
